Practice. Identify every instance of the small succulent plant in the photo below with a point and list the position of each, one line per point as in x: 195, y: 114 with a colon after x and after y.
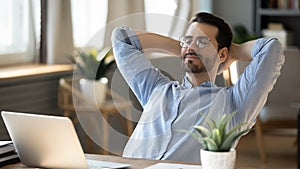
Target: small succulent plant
x: 216, y: 137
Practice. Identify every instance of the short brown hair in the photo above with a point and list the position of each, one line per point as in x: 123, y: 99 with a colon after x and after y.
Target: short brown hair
x: 224, y: 36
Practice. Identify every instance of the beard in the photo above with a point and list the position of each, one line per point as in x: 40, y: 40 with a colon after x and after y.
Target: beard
x: 190, y: 67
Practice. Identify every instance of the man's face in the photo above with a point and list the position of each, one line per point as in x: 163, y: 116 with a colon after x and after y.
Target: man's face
x: 200, y: 50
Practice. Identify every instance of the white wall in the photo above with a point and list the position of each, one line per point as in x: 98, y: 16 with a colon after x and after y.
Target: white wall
x: 236, y: 12
x: 204, y: 5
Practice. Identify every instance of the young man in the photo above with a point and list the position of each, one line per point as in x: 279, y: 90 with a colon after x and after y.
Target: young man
x: 169, y: 106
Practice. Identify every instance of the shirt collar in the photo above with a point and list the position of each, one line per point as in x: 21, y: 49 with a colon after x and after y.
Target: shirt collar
x: 187, y: 84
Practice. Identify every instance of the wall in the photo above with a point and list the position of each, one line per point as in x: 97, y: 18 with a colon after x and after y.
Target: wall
x: 203, y: 5
x: 34, y: 94
x: 236, y: 12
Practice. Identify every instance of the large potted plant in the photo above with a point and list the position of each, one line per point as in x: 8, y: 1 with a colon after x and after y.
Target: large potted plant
x: 93, y: 66
x: 217, y: 142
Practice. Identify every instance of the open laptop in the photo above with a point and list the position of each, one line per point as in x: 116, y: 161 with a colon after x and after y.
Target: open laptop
x: 49, y: 142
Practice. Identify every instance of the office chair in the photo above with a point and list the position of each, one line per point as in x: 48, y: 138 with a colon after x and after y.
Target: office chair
x: 279, y: 115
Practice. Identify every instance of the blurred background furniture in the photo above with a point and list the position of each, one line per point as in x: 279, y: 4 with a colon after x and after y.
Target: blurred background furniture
x: 280, y: 111
x: 66, y: 100
x: 279, y: 115
x: 298, y: 139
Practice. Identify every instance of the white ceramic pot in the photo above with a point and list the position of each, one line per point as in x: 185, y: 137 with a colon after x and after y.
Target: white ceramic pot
x: 94, y: 90
x: 218, y: 160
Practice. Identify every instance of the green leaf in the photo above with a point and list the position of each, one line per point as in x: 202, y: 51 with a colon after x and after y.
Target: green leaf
x: 222, y: 121
x: 211, y: 144
x: 225, y: 120
x: 228, y: 142
x: 211, y: 124
x: 216, y: 136
x: 234, y: 129
x: 196, y: 135
x: 203, y: 131
x: 220, y: 125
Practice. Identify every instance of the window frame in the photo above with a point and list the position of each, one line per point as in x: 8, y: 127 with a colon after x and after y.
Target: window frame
x: 27, y: 53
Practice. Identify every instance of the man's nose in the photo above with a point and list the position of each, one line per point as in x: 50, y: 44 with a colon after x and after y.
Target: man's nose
x: 192, y: 46
x: 189, y: 50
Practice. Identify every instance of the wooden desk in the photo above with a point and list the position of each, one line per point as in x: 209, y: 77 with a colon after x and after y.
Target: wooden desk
x: 135, y: 163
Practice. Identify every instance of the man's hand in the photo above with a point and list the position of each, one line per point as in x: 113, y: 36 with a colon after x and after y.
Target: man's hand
x: 159, y: 43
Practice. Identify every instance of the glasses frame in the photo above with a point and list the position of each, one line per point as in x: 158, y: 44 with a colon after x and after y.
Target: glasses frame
x: 200, y: 45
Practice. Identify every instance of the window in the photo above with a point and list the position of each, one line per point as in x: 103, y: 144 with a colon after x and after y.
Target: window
x: 88, y: 17
x: 19, y: 28
x: 161, y: 18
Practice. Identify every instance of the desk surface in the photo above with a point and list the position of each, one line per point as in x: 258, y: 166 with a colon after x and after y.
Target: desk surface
x: 135, y: 163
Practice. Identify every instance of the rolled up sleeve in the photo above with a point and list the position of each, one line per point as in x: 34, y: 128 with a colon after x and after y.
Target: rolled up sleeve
x: 137, y: 70
x: 251, y: 91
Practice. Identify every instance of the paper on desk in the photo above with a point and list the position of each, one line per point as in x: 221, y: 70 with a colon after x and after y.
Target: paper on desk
x: 3, y: 143
x: 173, y: 166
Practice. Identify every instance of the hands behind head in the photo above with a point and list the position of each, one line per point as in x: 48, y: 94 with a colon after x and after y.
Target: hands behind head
x: 232, y: 56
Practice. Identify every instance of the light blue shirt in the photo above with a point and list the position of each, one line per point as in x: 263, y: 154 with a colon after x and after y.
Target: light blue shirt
x: 169, y: 106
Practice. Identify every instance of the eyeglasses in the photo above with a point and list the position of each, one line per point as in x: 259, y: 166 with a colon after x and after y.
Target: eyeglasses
x: 200, y: 41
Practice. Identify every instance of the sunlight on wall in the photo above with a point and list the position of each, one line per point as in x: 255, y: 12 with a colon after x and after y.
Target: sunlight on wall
x: 233, y: 73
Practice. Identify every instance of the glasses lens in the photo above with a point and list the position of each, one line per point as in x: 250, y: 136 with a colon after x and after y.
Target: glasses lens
x: 202, y: 41
x: 185, y: 41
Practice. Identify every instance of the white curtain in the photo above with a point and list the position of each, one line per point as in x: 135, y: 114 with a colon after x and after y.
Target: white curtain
x: 120, y: 13
x: 124, y: 13
x: 184, y: 12
x: 59, y: 32
x: 59, y: 25
x: 180, y: 22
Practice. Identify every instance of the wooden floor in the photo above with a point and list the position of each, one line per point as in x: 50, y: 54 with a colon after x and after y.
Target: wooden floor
x: 281, y: 152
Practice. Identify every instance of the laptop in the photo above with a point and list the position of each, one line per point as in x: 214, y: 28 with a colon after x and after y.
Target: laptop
x: 45, y: 141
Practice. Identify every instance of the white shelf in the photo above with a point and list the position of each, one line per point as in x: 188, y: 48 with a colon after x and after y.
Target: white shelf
x: 279, y: 12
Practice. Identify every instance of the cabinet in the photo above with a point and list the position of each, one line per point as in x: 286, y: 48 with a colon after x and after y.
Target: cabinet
x: 286, y: 12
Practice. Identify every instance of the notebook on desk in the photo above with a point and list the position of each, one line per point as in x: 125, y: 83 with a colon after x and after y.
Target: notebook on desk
x: 49, y: 142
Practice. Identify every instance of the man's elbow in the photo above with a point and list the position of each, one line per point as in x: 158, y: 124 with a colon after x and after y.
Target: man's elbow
x: 275, y: 51
x: 116, y: 34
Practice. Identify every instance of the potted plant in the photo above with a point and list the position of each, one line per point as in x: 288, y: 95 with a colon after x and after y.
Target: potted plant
x: 242, y: 35
x: 217, y: 142
x: 92, y: 66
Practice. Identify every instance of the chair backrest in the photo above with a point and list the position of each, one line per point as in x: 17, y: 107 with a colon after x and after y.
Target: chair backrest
x: 170, y: 66
x: 285, y: 96
x: 287, y: 87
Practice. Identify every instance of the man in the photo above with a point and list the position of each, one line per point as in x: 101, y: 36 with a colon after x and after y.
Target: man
x: 169, y: 106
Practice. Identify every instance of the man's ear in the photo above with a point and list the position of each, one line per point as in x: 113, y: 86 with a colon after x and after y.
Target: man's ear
x: 223, y: 54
